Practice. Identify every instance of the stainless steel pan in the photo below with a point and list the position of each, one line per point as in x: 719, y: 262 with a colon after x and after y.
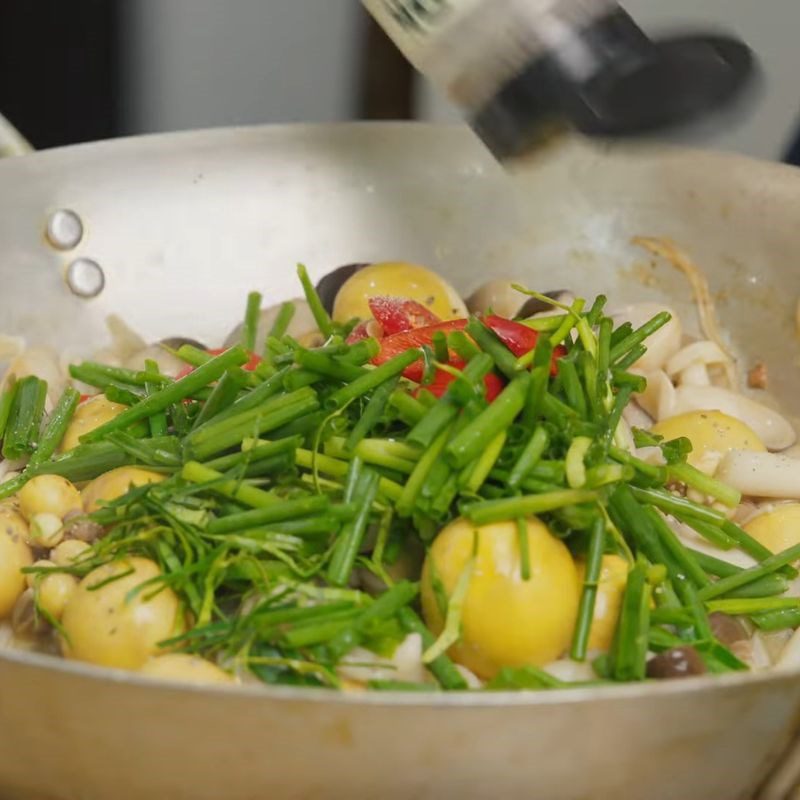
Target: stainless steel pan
x: 179, y: 227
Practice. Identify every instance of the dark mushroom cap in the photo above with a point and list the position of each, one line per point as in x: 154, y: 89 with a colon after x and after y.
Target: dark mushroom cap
x: 176, y: 342
x: 533, y: 305
x: 329, y: 285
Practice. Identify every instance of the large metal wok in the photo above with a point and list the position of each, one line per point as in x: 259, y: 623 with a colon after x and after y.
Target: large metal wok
x: 175, y: 230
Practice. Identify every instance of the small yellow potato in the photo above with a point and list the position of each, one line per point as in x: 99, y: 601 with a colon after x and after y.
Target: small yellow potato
x: 88, y: 416
x: 68, y: 551
x: 46, y: 530
x: 116, y: 483
x: 506, y: 621
x: 54, y: 592
x: 611, y: 586
x: 185, y: 668
x: 712, y: 434
x: 777, y: 529
x: 398, y: 279
x: 103, y: 626
x: 48, y: 494
x: 14, y: 556
x: 33, y: 579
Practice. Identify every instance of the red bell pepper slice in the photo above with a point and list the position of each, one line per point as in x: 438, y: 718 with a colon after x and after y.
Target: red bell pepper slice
x: 399, y: 314
x: 361, y: 331
x: 442, y: 380
x: 392, y: 346
x: 518, y: 338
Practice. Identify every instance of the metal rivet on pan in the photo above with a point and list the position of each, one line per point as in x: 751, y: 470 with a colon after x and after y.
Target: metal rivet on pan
x: 85, y: 277
x: 64, y: 229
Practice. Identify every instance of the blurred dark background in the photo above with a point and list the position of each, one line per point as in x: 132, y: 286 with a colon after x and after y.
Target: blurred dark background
x: 78, y: 70
x: 69, y: 70
x: 60, y: 69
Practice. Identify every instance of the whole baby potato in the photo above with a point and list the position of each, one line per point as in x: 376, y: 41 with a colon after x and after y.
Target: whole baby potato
x: 14, y: 555
x: 506, y: 621
x: 185, y: 668
x: 104, y: 625
x: 114, y: 484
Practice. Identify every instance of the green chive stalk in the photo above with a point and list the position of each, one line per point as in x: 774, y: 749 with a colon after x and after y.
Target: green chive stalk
x: 347, y: 545
x: 468, y: 444
x: 174, y: 393
x: 56, y: 426
x: 25, y: 418
x: 591, y: 582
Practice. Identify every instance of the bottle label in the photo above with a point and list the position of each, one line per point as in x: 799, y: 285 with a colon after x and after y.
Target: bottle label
x: 471, y: 48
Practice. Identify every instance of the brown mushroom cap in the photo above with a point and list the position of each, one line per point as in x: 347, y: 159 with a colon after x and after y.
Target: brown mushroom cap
x: 726, y: 629
x: 677, y: 662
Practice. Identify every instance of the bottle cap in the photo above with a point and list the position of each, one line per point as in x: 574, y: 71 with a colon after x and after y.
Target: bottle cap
x: 612, y: 80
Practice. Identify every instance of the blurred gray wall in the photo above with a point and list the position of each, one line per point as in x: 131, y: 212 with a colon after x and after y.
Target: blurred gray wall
x: 199, y: 63
x: 202, y: 63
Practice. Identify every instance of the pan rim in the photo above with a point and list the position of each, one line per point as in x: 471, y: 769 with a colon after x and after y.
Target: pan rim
x: 223, y: 137
x: 613, y: 693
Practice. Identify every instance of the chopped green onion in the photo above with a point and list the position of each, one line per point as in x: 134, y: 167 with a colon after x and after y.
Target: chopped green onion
x: 314, y: 303
x: 265, y: 515
x: 507, y: 508
x: 473, y: 439
x: 25, y: 418
x: 442, y: 668
x: 639, y: 335
x: 174, y: 393
x: 218, y: 435
x: 282, y: 321
x: 591, y: 581
x: 766, y: 567
x: 576, y: 469
x: 694, y: 479
x: 755, y: 605
x: 374, y: 378
x: 563, y: 331
x: 373, y: 413
x: 529, y: 457
x: 56, y: 426
x: 474, y: 475
x: 524, y: 549
x: 236, y: 490
x: 408, y: 498
x: 328, y: 366
x: 446, y: 409
x: 158, y: 422
x: 349, y: 541
x: 629, y: 649
x: 251, y: 319
x: 490, y: 343
x: 6, y: 402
